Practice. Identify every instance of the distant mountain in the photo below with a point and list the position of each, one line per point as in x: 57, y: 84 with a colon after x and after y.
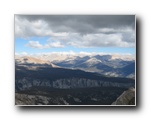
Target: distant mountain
x: 128, y: 69
x: 103, y: 64
x: 103, y: 58
x: 89, y: 62
x: 28, y: 60
x: 71, y: 63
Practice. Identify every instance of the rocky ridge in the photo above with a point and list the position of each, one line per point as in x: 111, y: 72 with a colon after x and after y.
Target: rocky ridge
x: 126, y: 98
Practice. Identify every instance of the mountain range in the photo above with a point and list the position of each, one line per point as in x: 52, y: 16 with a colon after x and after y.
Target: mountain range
x: 109, y: 65
x: 72, y: 79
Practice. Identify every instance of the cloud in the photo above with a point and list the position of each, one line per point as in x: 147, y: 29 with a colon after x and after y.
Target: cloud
x: 77, y: 30
x: 25, y: 28
x: 94, y: 40
x: 56, y: 44
x: 81, y: 23
x: 83, y: 53
x: 22, y: 53
x: 36, y: 44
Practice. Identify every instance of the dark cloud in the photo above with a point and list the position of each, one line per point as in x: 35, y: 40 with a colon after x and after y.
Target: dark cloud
x: 83, y: 23
x: 98, y: 28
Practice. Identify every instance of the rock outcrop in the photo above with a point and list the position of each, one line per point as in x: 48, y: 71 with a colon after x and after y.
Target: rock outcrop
x: 126, y: 98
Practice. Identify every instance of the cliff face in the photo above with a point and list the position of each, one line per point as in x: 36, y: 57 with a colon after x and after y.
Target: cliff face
x: 126, y: 98
x: 26, y: 83
x: 65, y: 79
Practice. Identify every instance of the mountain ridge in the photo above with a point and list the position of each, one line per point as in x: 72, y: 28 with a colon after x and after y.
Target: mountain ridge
x: 103, y: 64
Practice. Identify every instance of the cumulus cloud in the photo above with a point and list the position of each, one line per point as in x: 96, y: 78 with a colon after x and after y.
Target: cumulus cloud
x: 77, y: 30
x: 36, y: 44
x: 94, y: 40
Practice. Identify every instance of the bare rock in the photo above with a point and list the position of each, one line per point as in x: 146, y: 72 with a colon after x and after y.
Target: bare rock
x: 126, y: 98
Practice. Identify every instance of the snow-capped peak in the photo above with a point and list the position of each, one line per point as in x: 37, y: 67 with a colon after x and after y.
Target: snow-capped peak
x: 93, y: 61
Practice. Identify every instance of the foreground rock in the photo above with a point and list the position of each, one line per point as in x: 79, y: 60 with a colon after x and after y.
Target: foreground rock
x: 79, y: 96
x: 126, y: 98
x: 24, y: 99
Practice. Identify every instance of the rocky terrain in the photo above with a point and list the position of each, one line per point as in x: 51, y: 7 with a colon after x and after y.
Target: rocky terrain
x: 126, y: 98
x: 82, y: 96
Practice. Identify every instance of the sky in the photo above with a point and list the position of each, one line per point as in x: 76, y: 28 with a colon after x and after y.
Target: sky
x: 76, y: 33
